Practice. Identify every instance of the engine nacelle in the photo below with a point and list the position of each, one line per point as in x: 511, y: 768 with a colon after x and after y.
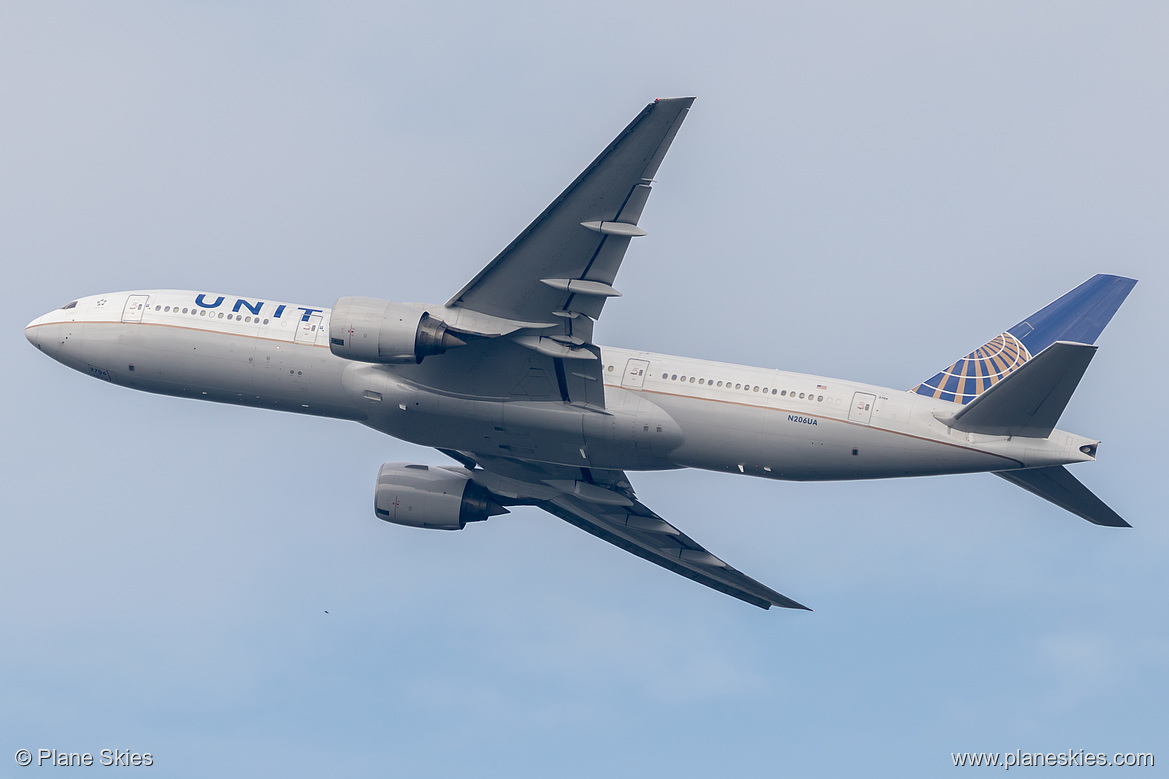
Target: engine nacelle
x: 431, y: 497
x: 372, y: 330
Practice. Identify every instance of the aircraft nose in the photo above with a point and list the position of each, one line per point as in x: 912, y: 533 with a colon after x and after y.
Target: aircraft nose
x: 32, y: 332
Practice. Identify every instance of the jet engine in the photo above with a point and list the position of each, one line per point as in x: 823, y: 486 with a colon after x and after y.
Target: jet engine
x: 372, y: 330
x: 430, y: 497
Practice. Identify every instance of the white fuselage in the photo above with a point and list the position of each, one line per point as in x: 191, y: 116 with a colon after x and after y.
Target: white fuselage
x: 660, y: 411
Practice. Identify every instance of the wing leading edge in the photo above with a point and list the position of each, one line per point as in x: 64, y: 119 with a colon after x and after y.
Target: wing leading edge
x: 602, y: 503
x: 549, y: 285
x: 565, y: 261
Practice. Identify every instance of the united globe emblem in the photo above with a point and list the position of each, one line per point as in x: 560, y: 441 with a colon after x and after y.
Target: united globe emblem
x: 977, y: 372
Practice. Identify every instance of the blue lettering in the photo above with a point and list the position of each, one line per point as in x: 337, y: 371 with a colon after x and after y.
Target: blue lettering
x: 309, y: 312
x: 245, y: 304
x: 279, y: 311
x: 199, y: 301
x: 804, y: 420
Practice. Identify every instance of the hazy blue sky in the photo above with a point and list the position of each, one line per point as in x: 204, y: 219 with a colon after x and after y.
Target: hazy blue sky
x: 857, y: 192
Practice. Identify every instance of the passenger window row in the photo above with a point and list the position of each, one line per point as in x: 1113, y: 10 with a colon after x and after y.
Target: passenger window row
x: 744, y: 387
x: 203, y: 312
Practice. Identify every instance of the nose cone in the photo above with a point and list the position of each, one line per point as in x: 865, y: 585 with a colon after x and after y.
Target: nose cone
x: 32, y: 332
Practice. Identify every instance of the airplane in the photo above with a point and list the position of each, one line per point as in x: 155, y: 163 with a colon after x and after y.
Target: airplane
x: 506, y: 380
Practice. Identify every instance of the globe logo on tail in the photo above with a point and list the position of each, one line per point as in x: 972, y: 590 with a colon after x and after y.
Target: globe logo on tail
x: 977, y: 372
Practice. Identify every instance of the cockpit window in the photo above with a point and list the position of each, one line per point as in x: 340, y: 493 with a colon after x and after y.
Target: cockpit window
x: 68, y: 306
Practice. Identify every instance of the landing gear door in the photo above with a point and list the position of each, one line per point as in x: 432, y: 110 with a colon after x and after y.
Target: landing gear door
x: 135, y: 305
x: 635, y: 371
x: 861, y: 409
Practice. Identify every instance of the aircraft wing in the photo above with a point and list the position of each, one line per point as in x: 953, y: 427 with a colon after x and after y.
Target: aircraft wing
x: 550, y: 284
x: 565, y: 262
x: 602, y: 503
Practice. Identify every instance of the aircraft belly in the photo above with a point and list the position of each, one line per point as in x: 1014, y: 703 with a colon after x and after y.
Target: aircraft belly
x: 540, y: 431
x: 302, y: 378
x: 634, y: 433
x: 630, y: 433
x: 775, y: 443
x: 220, y: 367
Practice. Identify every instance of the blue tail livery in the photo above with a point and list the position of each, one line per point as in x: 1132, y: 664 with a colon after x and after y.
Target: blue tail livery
x: 1079, y: 317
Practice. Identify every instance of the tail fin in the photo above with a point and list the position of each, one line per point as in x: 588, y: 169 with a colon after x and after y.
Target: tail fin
x: 1079, y: 316
x: 1057, y: 485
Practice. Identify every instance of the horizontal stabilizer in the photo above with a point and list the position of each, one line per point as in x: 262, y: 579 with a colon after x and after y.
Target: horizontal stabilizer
x: 1057, y: 485
x: 1028, y: 401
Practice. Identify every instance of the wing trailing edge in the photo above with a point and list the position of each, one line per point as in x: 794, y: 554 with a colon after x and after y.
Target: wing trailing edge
x: 643, y: 533
x: 603, y: 504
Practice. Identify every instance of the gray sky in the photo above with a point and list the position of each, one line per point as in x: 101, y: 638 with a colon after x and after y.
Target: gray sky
x: 857, y: 192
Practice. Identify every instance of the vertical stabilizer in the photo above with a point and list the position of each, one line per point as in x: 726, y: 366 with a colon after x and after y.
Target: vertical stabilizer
x: 1079, y: 317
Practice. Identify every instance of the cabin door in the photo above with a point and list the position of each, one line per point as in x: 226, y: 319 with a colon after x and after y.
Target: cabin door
x: 862, y: 407
x: 635, y: 371
x: 306, y: 331
x: 135, y: 305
